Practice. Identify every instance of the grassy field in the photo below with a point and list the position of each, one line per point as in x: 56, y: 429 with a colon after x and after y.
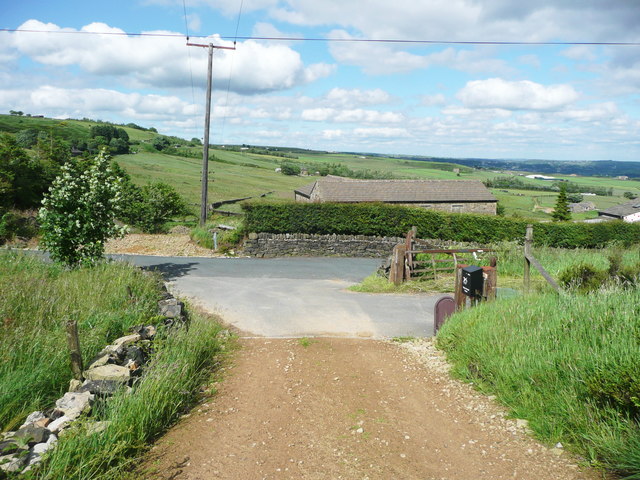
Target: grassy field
x: 568, y: 364
x: 238, y: 174
x: 37, y: 299
x: 510, y: 266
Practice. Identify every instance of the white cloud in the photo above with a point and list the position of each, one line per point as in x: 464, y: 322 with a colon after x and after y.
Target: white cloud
x: 520, y: 95
x: 332, y: 134
x: 382, y: 132
x: 433, y: 100
x: 94, y: 102
x: 580, y: 52
x: 165, y: 62
x: 355, y: 97
x: 350, y: 116
x: 194, y: 22
x: 468, y: 19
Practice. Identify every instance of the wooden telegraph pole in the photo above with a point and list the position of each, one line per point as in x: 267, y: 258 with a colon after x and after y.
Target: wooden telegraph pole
x: 207, y: 122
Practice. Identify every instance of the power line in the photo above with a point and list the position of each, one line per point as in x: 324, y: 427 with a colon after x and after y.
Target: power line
x: 335, y: 40
x: 226, y: 101
x: 193, y: 90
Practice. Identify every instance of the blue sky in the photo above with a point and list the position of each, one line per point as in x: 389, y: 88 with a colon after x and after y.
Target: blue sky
x: 567, y: 102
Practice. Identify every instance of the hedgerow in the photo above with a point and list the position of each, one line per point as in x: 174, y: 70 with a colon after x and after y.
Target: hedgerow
x: 378, y: 219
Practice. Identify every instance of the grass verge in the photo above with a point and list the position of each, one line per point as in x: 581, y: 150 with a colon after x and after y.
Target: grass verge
x: 569, y: 364
x: 182, y: 364
x: 37, y: 299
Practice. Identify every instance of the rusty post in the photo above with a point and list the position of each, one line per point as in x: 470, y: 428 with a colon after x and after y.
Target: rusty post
x: 528, y: 240
x: 73, y: 342
x: 490, y: 283
x: 459, y: 297
x: 396, y: 275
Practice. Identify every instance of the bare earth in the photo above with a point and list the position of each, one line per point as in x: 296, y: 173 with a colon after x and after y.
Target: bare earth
x: 171, y: 245
x: 349, y: 409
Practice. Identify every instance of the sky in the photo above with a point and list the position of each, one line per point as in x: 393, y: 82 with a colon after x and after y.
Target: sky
x: 565, y: 102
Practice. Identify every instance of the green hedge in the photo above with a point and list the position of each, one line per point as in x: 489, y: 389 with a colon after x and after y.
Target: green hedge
x: 378, y: 219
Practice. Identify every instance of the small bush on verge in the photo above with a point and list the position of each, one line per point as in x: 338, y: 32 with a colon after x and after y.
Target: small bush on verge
x: 79, y: 212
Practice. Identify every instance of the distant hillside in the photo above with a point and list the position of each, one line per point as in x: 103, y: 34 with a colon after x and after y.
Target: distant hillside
x: 600, y: 168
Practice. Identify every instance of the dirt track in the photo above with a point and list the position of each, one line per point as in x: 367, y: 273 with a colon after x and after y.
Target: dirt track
x: 348, y: 409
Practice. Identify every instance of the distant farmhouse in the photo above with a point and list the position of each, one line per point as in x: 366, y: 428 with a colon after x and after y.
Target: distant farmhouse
x: 582, y: 207
x: 629, y: 212
x: 459, y: 196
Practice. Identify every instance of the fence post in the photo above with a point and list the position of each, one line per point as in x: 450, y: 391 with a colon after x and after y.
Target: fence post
x: 528, y: 240
x: 74, y: 349
x: 396, y: 275
x: 459, y: 297
x: 490, y: 283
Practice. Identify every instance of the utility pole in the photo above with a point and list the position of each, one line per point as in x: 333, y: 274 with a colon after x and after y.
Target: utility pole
x: 204, y: 201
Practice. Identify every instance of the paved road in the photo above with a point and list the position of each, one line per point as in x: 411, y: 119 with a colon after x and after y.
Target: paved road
x: 291, y: 297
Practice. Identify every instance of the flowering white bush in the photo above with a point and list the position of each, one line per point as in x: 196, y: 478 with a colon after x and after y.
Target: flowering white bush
x: 78, y: 214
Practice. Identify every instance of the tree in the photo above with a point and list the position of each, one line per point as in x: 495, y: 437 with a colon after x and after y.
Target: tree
x: 629, y: 195
x: 149, y: 207
x: 22, y: 179
x: 561, y: 213
x: 500, y: 210
x: 27, y: 138
x: 575, y: 197
x: 78, y: 215
x: 290, y: 168
x: 160, y: 142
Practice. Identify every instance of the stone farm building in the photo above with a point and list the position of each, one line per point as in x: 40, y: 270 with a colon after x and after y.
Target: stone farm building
x: 628, y: 212
x: 458, y: 196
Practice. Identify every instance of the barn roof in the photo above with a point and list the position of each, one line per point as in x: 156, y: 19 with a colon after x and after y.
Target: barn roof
x: 336, y: 189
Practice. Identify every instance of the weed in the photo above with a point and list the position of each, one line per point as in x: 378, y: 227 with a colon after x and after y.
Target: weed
x: 306, y: 342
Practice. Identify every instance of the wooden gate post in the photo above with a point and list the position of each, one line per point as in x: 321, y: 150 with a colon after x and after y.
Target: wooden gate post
x: 528, y: 240
x: 396, y: 275
x: 74, y: 349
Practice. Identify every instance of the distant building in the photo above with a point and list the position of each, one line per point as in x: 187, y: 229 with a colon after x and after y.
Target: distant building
x: 628, y: 212
x: 582, y: 207
x: 541, y: 177
x: 622, y: 177
x: 460, y: 196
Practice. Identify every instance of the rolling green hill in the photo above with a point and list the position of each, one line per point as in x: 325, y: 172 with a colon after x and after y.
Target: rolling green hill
x: 243, y: 171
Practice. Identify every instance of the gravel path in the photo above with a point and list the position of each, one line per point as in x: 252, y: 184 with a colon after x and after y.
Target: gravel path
x: 349, y: 409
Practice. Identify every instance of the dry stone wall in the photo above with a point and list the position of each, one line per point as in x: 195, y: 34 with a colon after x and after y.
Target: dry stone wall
x: 268, y: 245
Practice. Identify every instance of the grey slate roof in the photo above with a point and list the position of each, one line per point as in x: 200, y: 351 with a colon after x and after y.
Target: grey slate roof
x: 622, y: 210
x: 336, y: 189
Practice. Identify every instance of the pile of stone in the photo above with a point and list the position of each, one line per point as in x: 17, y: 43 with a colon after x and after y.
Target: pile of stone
x: 118, y: 366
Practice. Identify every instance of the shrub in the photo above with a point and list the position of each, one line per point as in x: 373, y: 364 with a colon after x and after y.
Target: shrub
x: 379, y: 219
x: 290, y: 168
x: 583, y: 277
x: 78, y: 215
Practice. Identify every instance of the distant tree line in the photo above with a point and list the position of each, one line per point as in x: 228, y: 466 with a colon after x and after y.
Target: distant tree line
x: 338, y: 169
x: 518, y: 184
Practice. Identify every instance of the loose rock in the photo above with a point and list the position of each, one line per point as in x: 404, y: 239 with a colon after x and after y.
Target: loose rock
x: 101, y: 388
x: 108, y: 372
x: 32, y: 434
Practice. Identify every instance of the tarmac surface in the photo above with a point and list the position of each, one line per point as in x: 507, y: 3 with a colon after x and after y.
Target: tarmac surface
x: 294, y: 297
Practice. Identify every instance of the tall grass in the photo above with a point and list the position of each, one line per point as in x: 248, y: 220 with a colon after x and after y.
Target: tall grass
x: 568, y: 364
x: 510, y: 258
x: 183, y: 362
x: 36, y: 300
